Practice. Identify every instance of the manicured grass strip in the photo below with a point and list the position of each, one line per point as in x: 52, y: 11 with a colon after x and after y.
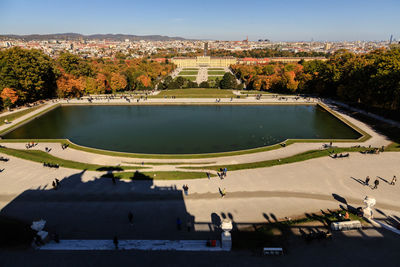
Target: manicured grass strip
x: 188, y: 72
x: 161, y: 175
x: 16, y: 115
x: 255, y: 92
x: 191, y: 78
x: 190, y: 69
x: 196, y: 93
x: 169, y: 163
x: 213, y: 78
x: 216, y: 72
x: 393, y: 147
x: 215, y: 69
x: 269, y: 163
x: 40, y: 156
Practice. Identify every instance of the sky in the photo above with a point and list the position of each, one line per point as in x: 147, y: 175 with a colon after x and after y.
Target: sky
x: 299, y: 20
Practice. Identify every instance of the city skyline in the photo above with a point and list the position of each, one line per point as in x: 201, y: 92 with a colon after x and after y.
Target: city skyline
x: 221, y: 20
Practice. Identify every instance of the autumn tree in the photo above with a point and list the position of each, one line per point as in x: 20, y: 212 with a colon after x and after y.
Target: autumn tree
x: 30, y: 73
x: 9, y: 97
x: 118, y: 82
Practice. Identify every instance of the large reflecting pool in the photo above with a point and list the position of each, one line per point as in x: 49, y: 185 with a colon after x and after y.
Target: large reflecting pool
x: 184, y: 129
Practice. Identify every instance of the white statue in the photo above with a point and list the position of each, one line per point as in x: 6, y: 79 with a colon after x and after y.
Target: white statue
x: 226, y: 239
x: 369, y: 203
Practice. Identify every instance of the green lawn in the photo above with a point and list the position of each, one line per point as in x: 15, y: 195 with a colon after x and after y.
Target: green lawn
x: 196, y: 93
x: 40, y: 156
x: 190, y: 69
x: 254, y: 92
x: 213, y: 78
x: 17, y: 114
x: 188, y: 72
x: 191, y: 78
x: 215, y: 69
x: 393, y: 147
x: 216, y: 72
x: 269, y: 163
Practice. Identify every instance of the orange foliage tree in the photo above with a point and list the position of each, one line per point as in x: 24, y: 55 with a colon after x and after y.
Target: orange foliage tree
x: 10, y: 94
x: 118, y: 82
x: 70, y: 86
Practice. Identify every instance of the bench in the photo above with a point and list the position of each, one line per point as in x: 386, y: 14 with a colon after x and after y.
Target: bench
x: 272, y: 251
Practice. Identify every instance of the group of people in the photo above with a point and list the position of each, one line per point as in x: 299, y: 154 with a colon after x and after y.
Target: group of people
x: 56, y: 184
x: 376, y: 182
x: 222, y: 173
x: 335, y: 156
x: 218, y: 100
x: 4, y: 159
x: 30, y: 145
x: 51, y: 165
x: 64, y: 146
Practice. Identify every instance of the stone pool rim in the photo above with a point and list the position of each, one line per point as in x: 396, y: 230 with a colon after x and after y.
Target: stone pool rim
x: 363, y: 135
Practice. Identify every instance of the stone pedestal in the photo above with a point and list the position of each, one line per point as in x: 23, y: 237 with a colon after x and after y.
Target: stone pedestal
x: 226, y: 238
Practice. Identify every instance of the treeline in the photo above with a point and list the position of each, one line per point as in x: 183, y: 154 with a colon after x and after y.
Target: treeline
x: 371, y: 79
x: 256, y: 53
x: 266, y: 52
x: 228, y: 81
x: 30, y: 75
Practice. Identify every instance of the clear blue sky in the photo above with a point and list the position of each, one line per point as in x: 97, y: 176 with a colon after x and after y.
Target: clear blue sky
x: 207, y: 19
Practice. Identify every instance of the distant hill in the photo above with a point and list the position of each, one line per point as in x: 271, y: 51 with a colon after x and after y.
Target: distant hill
x: 77, y: 36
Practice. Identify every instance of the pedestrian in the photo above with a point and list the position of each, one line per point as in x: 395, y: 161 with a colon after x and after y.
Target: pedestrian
x: 208, y: 175
x: 57, y: 182
x: 115, y: 242
x: 178, y: 223
x: 54, y: 185
x: 376, y: 183
x: 394, y: 180
x: 130, y: 217
x: 223, y: 192
x: 367, y: 180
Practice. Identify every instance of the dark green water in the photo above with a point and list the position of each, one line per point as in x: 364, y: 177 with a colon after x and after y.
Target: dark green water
x: 183, y: 129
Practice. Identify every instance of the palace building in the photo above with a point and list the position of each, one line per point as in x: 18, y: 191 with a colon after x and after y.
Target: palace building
x: 204, y: 61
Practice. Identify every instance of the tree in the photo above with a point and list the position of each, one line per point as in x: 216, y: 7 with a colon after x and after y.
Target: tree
x: 70, y: 86
x: 180, y: 81
x: 228, y: 81
x: 204, y: 85
x: 9, y: 95
x: 73, y: 64
x: 30, y: 73
x: 118, y: 82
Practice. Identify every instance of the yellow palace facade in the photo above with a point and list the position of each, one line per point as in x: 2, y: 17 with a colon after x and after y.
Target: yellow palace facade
x: 204, y: 61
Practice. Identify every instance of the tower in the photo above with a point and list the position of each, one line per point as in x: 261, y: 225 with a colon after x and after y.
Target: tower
x: 205, y: 49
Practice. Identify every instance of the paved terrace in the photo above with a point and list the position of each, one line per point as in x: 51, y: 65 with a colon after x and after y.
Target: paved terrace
x: 87, y: 206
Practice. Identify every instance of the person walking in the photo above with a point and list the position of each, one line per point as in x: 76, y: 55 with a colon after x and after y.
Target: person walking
x: 57, y: 182
x: 115, y: 241
x: 178, y: 223
x: 130, y: 218
x: 54, y: 185
x: 376, y: 183
x: 367, y: 180
x: 394, y: 180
